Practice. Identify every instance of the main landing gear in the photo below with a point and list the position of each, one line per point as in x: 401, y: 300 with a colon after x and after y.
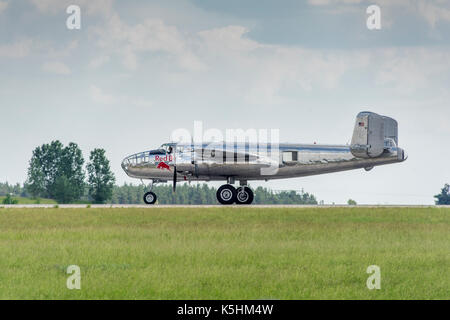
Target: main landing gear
x: 227, y: 194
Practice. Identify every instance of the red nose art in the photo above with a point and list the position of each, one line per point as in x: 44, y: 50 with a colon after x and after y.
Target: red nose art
x: 163, y: 165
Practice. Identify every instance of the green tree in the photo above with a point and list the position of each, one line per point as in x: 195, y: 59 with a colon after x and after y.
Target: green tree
x: 100, y: 178
x: 9, y: 200
x: 56, y: 172
x: 64, y: 191
x: 71, y: 169
x: 444, y: 196
x: 43, y: 169
x: 351, y: 202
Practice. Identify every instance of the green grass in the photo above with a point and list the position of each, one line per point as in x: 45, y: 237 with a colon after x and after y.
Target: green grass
x: 23, y: 200
x: 225, y: 253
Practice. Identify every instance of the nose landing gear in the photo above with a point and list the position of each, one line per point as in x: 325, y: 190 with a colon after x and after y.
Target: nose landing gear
x: 227, y: 194
x: 150, y: 197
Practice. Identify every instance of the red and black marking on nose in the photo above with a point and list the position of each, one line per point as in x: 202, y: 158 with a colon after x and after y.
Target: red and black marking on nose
x: 163, y: 165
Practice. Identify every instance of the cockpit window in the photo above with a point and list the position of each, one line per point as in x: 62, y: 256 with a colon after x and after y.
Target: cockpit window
x: 158, y: 151
x: 168, y: 147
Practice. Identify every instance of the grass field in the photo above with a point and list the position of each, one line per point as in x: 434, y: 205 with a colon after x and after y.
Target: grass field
x: 225, y: 253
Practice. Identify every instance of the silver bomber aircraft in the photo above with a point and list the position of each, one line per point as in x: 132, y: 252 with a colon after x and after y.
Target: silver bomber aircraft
x: 374, y: 143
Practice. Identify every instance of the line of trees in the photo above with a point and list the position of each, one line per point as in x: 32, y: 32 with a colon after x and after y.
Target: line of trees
x: 57, y: 172
x: 186, y: 194
x: 15, y: 189
x: 203, y: 194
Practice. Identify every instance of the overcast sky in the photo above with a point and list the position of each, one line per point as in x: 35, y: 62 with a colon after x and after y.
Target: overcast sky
x: 137, y: 70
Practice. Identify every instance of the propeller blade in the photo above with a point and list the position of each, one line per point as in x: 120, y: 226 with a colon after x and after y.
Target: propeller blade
x: 174, y: 178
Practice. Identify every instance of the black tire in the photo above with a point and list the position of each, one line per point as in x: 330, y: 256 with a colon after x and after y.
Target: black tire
x: 226, y: 194
x: 150, y: 198
x: 244, y: 195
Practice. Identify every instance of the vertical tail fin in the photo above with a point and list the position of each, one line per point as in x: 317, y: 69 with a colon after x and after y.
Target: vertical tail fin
x: 370, y: 134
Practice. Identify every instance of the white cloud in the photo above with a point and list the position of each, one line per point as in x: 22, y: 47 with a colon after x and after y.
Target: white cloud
x: 99, y: 61
x: 411, y: 69
x: 56, y: 67
x: 142, y: 103
x: 18, y: 49
x: 229, y: 38
x: 99, y: 96
x: 22, y: 48
x: 433, y: 12
x: 259, y: 72
x: 150, y: 36
x: 262, y: 71
x: 52, y: 6
x: 58, y: 53
x: 3, y: 6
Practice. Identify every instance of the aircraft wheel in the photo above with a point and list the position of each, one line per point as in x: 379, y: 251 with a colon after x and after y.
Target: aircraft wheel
x: 150, y: 198
x: 226, y: 194
x: 244, y: 195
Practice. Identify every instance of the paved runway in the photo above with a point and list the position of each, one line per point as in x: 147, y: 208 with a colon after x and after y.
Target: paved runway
x: 159, y: 206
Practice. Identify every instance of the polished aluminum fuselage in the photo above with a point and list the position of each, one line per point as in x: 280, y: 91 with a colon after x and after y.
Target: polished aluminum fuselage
x: 203, y: 162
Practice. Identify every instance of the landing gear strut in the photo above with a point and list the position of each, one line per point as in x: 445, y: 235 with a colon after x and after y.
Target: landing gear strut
x: 227, y: 194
